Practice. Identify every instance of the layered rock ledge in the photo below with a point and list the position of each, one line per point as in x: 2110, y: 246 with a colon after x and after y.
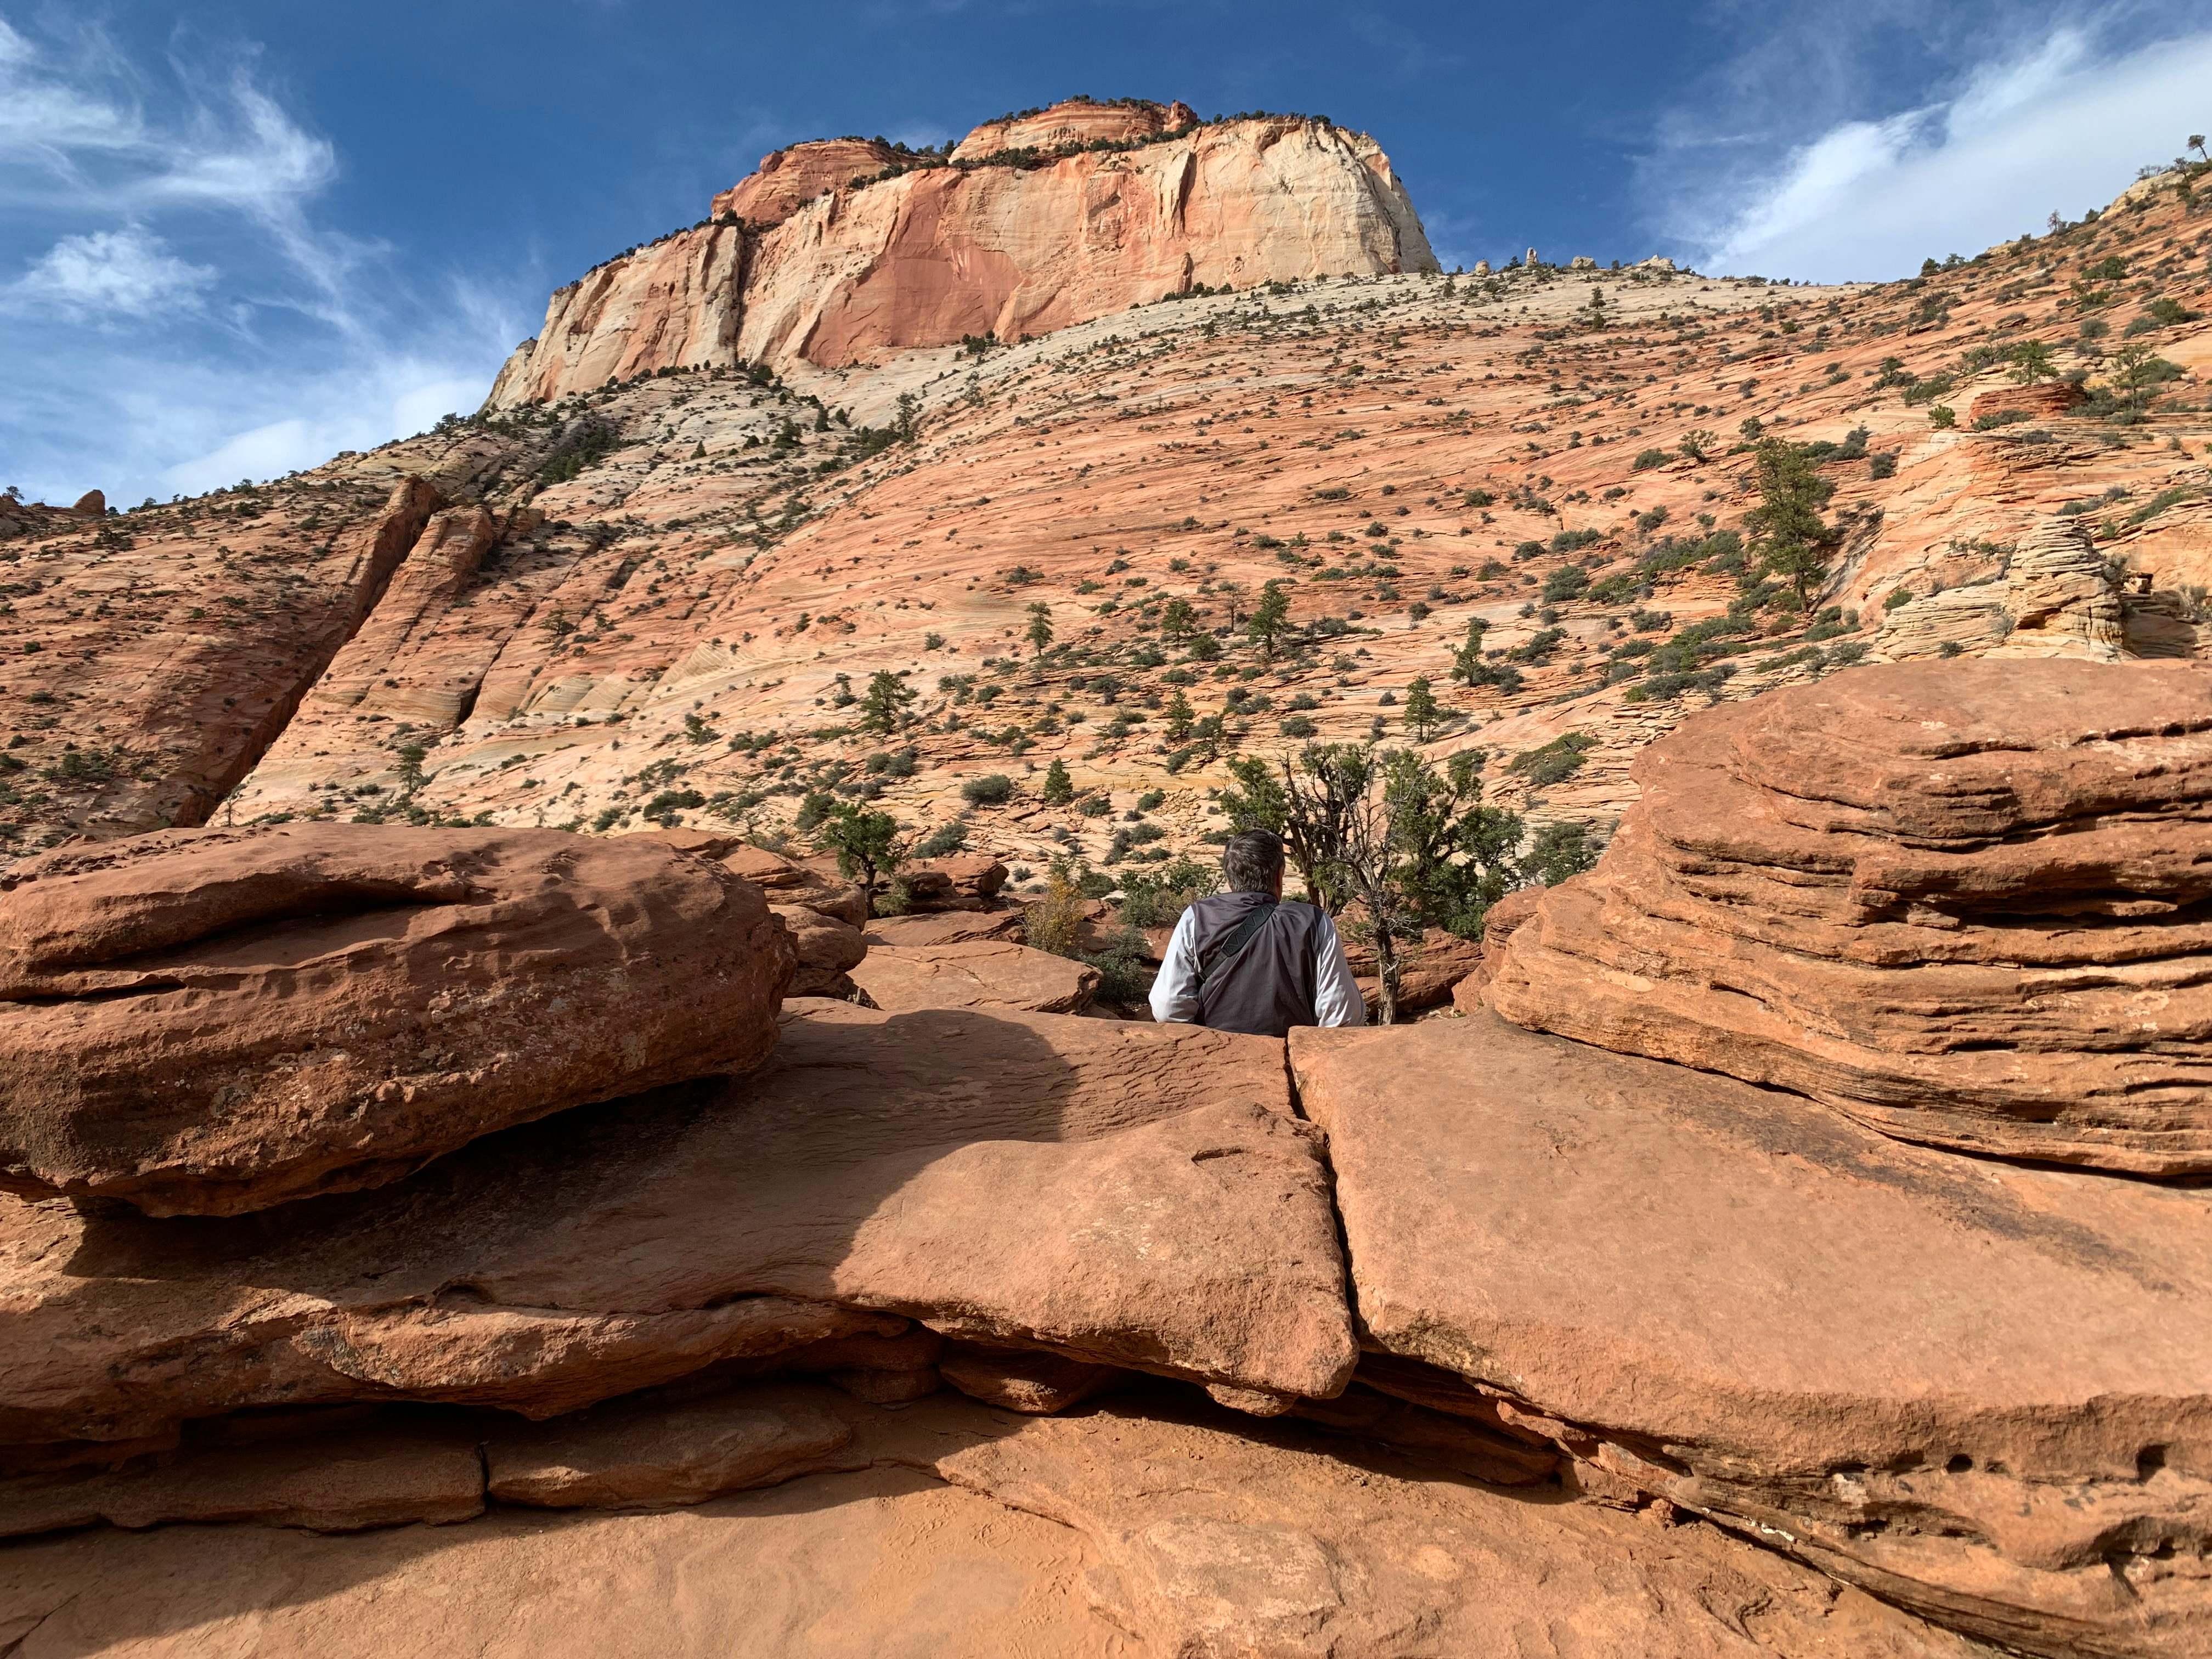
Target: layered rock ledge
x: 1140, y: 1196
x: 207, y: 1022
x: 1965, y: 902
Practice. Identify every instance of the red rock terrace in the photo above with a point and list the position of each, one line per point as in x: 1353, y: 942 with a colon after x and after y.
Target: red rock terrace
x: 1690, y: 1298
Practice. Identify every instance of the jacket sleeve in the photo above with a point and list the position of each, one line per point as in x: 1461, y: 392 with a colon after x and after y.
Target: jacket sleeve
x: 1175, y: 992
x: 1337, y: 1000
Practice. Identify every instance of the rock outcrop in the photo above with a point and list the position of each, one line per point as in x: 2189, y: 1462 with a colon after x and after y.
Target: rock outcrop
x: 207, y: 1021
x: 835, y: 266
x: 2058, y: 597
x: 1977, y: 1390
x: 827, y: 947
x: 787, y: 179
x: 1076, y: 122
x: 1135, y: 1195
x: 1963, y: 902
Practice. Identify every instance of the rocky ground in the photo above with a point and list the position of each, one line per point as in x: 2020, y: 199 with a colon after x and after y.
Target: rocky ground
x: 472, y: 1174
x: 1882, y: 1330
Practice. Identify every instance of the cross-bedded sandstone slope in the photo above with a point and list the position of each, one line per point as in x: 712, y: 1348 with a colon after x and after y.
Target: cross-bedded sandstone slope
x: 674, y: 573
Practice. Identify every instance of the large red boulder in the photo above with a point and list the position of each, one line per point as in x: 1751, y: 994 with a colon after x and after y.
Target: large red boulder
x: 1964, y: 902
x: 207, y: 1021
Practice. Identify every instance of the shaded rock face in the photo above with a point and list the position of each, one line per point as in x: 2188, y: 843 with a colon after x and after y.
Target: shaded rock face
x: 2054, y: 397
x: 826, y: 948
x: 207, y: 1021
x: 1135, y: 1195
x: 833, y: 274
x: 1964, y: 904
x: 1976, y: 1389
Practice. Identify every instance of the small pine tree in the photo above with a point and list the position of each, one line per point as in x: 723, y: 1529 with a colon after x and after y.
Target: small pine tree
x: 1179, y: 717
x: 1787, y: 526
x: 1058, y: 787
x: 1270, y: 618
x: 1421, y: 714
x: 1040, y: 629
x: 1467, y: 661
x: 2031, y: 362
x: 883, y: 710
x: 1177, y: 621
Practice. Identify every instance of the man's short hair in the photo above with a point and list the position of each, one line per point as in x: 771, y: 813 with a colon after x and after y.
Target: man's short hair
x: 1252, y: 861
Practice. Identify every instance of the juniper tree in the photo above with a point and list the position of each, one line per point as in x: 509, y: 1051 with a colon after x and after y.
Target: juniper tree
x: 868, y: 844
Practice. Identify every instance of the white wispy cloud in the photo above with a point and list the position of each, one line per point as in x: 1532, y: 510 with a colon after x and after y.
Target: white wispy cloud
x: 197, y: 319
x: 106, y: 275
x: 2054, y: 119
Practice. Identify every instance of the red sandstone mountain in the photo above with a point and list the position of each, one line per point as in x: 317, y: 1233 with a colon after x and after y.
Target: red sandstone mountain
x: 1034, y: 222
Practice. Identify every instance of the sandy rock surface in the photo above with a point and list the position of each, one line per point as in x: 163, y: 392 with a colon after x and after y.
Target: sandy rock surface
x: 1976, y: 1390
x: 975, y: 974
x: 207, y: 1022
x: 1113, y: 1534
x: 1961, y: 902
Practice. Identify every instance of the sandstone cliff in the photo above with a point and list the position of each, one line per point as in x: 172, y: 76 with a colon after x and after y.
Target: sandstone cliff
x: 1091, y: 208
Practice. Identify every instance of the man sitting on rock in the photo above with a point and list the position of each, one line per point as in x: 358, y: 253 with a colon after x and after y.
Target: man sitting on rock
x: 1246, y: 961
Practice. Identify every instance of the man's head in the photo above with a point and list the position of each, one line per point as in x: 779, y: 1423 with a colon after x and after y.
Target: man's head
x: 1254, y: 863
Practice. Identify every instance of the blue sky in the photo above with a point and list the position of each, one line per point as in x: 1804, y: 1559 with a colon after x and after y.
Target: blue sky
x: 236, y: 238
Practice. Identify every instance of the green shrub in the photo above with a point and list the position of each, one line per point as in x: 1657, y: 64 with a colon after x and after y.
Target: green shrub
x: 992, y: 789
x: 946, y: 838
x: 1556, y: 762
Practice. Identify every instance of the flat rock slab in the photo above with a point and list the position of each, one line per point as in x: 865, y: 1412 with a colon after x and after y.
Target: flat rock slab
x: 1982, y: 1391
x: 651, y: 1455
x: 948, y: 927
x: 1110, y: 1534
x: 979, y: 973
x: 1137, y: 1195
x: 209, y: 1021
x: 892, y: 1562
x: 1209, y: 1537
x: 337, y: 1483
